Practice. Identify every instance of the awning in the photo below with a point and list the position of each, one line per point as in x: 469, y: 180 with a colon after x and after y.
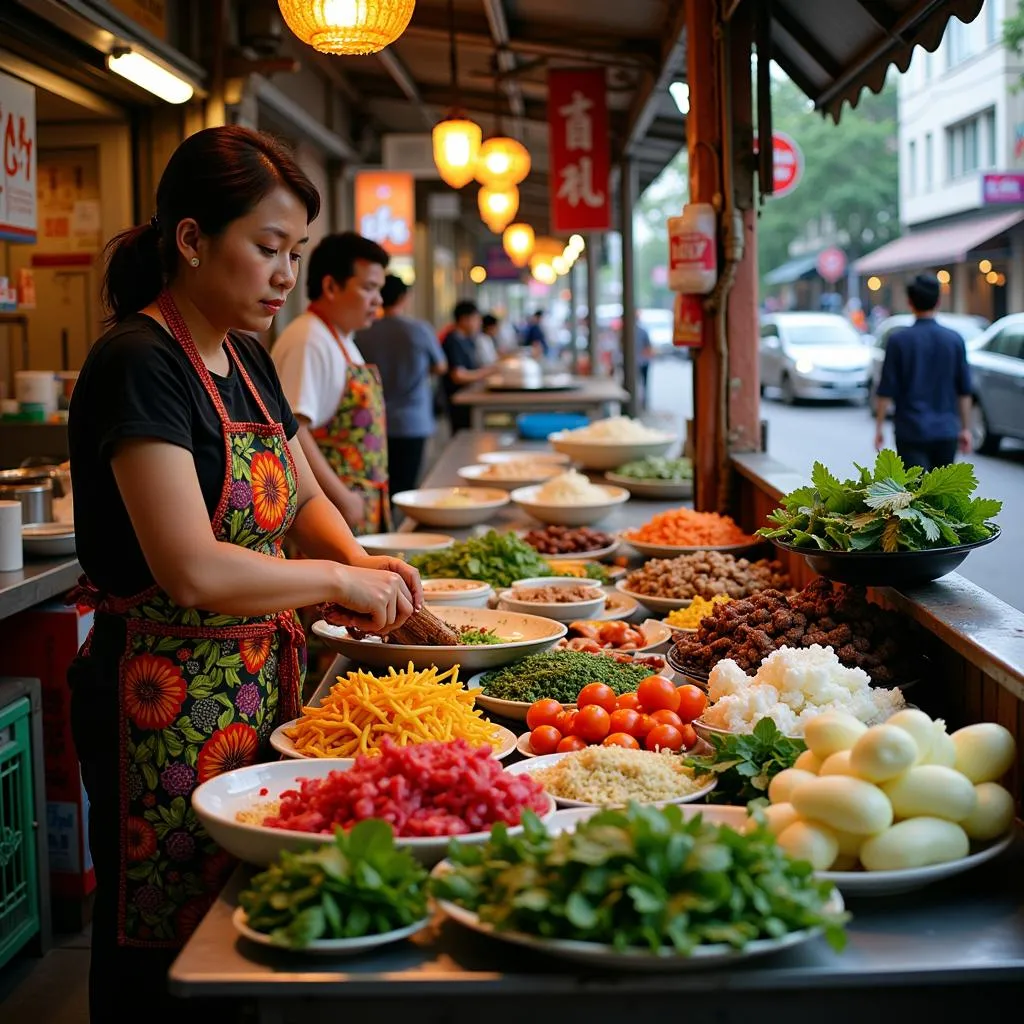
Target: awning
x: 792, y: 270
x: 949, y: 243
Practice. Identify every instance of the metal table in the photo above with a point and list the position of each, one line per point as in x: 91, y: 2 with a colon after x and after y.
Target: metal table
x: 40, y: 579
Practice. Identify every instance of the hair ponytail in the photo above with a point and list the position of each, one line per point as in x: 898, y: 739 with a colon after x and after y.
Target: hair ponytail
x: 135, y: 271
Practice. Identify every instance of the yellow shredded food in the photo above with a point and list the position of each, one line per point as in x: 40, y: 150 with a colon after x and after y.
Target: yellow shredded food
x: 409, y: 706
x: 689, y: 618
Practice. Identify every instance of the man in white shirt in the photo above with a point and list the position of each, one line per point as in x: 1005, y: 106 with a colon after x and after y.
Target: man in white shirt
x: 336, y: 398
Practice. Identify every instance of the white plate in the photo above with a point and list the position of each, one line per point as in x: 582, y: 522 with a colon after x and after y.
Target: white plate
x: 658, y: 490
x: 538, y: 762
x: 327, y: 947
x: 425, y: 505
x: 566, y: 611
x: 471, y: 593
x: 48, y: 539
x: 700, y: 749
x: 514, y: 455
x: 617, y: 606
x: 656, y: 636
x: 401, y: 544
x: 672, y: 550
x: 531, y: 634
x: 607, y: 455
x: 594, y: 555
x: 568, y: 515
x: 656, y: 604
x: 504, y: 746
x: 490, y: 474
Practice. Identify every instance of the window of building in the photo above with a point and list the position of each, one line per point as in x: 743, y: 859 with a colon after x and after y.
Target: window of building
x: 989, y: 132
x: 971, y: 144
x: 958, y: 42
x: 912, y: 167
x: 992, y: 31
x: 929, y: 162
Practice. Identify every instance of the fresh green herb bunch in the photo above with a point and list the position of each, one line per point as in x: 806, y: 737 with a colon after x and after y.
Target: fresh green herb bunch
x: 561, y: 675
x: 361, y: 884
x: 891, y: 508
x: 657, y: 467
x: 639, y: 878
x: 745, y: 763
x: 497, y: 558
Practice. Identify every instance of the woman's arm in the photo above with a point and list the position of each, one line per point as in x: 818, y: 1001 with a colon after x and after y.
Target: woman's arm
x: 161, y: 492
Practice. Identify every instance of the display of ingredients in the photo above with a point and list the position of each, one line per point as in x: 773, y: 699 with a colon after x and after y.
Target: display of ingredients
x: 614, y: 430
x: 556, y: 594
x: 656, y: 716
x: 421, y: 629
x: 363, y: 711
x: 883, y: 643
x: 568, y: 540
x: 583, y: 570
x: 624, y: 877
x: 887, y: 508
x: 685, y: 528
x: 612, y: 776
x: 657, y: 467
x: 705, y: 574
x: 496, y: 558
x: 360, y: 885
x: 562, y: 674
x: 570, y: 488
x: 595, y: 636
x: 891, y: 797
x: 690, y: 617
x: 431, y: 789
x: 792, y: 686
x: 744, y: 764
x: 519, y: 469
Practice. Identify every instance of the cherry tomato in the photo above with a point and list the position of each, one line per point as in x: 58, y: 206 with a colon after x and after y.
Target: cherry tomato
x: 692, y: 702
x: 545, y: 739
x: 664, y: 717
x: 570, y: 743
x: 627, y: 700
x: 564, y: 722
x: 657, y: 693
x: 689, y: 736
x: 543, y: 712
x: 646, y: 725
x: 626, y: 720
x: 620, y: 739
x: 597, y: 693
x: 591, y: 723
x: 664, y: 737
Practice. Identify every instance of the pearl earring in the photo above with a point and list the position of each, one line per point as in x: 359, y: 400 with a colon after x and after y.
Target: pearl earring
x: 194, y: 261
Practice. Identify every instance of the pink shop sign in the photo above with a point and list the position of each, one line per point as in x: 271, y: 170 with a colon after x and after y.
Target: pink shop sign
x: 999, y: 189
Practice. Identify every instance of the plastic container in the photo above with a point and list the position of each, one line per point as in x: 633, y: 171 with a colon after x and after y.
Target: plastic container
x: 536, y: 426
x: 693, y: 250
x: 35, y: 389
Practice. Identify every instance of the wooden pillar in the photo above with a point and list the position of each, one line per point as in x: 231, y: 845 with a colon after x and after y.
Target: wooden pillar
x: 627, y: 200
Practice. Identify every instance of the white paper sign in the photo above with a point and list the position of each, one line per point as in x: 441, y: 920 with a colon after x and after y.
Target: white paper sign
x: 18, y: 217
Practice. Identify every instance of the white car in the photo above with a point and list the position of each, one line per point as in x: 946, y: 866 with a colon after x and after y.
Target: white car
x: 814, y: 356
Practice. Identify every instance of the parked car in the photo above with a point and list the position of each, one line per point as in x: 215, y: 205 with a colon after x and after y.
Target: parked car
x: 813, y: 355
x: 970, y: 328
x: 997, y: 373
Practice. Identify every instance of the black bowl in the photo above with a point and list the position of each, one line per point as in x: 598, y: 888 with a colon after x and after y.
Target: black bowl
x: 887, y: 569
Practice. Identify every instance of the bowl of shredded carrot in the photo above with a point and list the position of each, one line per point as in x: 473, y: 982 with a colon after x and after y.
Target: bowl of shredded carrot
x: 683, y: 530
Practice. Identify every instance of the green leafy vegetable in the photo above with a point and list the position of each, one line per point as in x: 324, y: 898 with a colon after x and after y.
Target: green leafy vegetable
x: 561, y: 675
x: 639, y: 878
x: 746, y: 763
x: 657, y: 467
x: 361, y: 884
x: 890, y: 508
x: 477, y: 637
x: 497, y: 558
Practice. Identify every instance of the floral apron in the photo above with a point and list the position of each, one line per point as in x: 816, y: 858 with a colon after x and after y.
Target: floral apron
x: 200, y: 692
x: 354, y: 442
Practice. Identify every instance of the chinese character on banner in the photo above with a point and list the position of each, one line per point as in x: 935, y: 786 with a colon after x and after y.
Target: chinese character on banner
x: 580, y: 160
x: 18, y: 211
x: 385, y: 209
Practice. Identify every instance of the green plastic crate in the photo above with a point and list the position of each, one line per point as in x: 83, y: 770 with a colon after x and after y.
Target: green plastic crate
x: 19, y: 893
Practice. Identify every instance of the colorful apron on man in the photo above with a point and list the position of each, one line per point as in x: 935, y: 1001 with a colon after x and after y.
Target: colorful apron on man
x: 200, y: 692
x: 354, y: 442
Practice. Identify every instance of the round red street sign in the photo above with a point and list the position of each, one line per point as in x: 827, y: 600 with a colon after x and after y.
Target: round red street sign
x: 787, y: 164
x: 831, y: 264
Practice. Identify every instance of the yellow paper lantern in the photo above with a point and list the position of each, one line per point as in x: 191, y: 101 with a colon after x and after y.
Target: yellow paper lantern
x: 518, y: 243
x: 502, y: 162
x: 347, y: 26
x: 498, y: 207
x: 544, y: 273
x: 456, y: 147
x: 545, y: 249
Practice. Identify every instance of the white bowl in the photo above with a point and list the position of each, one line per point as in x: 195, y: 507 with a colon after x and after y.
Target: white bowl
x: 654, y: 489
x: 218, y: 802
x: 48, y: 539
x: 565, y: 611
x: 401, y: 544
x: 513, y: 455
x: 425, y: 506
x: 608, y: 454
x: 456, y: 593
x: 568, y: 515
x: 663, y: 605
x: 492, y: 473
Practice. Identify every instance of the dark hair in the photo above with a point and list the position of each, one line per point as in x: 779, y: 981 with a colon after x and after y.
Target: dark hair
x: 923, y: 292
x: 467, y: 307
x: 214, y: 177
x: 539, y: 314
x: 490, y: 320
x: 336, y: 257
x: 393, y: 291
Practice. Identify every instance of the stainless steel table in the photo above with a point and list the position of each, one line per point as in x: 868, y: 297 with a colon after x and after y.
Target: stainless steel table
x: 595, y: 396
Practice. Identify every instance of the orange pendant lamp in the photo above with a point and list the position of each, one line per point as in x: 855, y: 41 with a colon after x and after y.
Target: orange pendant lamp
x: 498, y: 207
x: 352, y: 27
x: 456, y: 139
x: 517, y: 241
x: 502, y: 162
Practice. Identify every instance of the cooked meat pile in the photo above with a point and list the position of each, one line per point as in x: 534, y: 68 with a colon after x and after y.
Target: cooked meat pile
x: 567, y: 540
x: 706, y: 573
x: 863, y: 635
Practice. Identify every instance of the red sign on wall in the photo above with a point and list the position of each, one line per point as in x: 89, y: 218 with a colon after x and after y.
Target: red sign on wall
x: 579, y: 151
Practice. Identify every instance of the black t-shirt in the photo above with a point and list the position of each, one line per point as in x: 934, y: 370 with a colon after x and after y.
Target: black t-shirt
x: 459, y: 351
x: 138, y: 382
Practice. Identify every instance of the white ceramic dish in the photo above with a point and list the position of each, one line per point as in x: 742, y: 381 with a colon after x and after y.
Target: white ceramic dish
x: 653, y: 489
x: 504, y: 746
x: 527, y: 634
x: 656, y: 636
x: 617, y: 606
x: 48, y: 539
x: 568, y: 515
x: 426, y: 506
x: 327, y: 947
x: 672, y: 550
x: 218, y: 801
x: 491, y: 475
x: 458, y: 593
x: 663, y: 605
x: 567, y: 611
x: 519, y: 455
x: 402, y: 544
x: 594, y: 555
x: 607, y: 455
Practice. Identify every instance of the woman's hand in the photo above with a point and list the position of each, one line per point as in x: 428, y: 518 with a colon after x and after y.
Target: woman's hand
x: 410, y: 575
x: 372, y: 600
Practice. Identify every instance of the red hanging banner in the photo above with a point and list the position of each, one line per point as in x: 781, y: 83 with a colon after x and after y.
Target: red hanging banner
x: 580, y: 160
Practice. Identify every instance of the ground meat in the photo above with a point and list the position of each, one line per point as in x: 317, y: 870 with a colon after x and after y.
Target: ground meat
x: 568, y: 540
x: 705, y: 574
x: 556, y: 595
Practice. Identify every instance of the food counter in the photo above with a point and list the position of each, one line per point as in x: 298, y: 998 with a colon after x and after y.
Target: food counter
x: 41, y: 579
x: 594, y: 396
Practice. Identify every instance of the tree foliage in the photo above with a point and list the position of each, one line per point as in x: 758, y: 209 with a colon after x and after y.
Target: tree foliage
x: 1013, y: 32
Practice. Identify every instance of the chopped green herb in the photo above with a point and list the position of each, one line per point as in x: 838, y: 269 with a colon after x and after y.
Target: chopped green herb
x: 497, y: 558
x: 561, y: 675
x: 657, y: 467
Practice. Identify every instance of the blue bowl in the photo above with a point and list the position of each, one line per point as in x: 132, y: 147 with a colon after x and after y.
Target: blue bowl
x: 537, y: 425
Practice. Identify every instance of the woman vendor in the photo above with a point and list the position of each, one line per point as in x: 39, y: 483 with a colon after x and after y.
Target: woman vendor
x: 187, y: 478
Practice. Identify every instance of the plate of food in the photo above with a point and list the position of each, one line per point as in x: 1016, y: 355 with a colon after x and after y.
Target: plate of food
x: 401, y: 544
x: 327, y: 947
x: 655, y: 477
x: 607, y: 443
x: 682, y: 531
x: 562, y: 598
x: 456, y: 593
x: 600, y: 571
x: 615, y: 635
x: 451, y: 506
x: 582, y: 543
x: 569, y: 499
x: 438, y: 636
x: 511, y: 473
x: 652, y: 601
x: 522, y: 455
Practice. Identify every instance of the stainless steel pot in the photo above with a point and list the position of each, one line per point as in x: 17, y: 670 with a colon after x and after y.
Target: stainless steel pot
x: 36, y: 499
x: 32, y: 471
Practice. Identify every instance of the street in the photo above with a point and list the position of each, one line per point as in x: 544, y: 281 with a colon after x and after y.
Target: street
x: 840, y: 434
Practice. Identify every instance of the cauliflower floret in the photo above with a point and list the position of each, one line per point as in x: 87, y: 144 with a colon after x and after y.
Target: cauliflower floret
x: 726, y: 678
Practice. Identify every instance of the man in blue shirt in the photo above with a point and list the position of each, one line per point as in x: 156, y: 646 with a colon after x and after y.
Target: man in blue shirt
x: 463, y: 361
x: 926, y: 378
